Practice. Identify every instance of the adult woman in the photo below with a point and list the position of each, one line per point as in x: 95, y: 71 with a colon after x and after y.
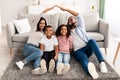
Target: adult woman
x: 31, y: 50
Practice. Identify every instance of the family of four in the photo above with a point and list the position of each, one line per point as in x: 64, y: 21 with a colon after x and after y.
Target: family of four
x: 48, y: 50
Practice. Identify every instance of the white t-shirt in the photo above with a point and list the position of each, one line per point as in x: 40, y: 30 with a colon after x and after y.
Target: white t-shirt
x: 35, y: 37
x: 49, y: 43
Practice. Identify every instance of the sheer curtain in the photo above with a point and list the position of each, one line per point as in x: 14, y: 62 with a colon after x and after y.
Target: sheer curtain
x: 112, y: 15
x: 101, y: 9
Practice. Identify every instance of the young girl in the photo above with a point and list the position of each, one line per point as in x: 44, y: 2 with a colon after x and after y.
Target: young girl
x: 49, y: 46
x: 65, y: 45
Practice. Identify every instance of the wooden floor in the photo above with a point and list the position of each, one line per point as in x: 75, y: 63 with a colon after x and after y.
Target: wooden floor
x: 5, y: 56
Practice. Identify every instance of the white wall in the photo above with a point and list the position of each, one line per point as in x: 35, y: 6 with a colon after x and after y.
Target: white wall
x: 10, y: 8
x: 0, y: 25
x: 112, y: 15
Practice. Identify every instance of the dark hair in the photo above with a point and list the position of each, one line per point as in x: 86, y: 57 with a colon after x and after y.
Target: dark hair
x: 58, y: 31
x: 38, y: 28
x: 48, y: 26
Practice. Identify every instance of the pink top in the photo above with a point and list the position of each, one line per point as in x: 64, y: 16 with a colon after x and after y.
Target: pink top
x: 65, y: 44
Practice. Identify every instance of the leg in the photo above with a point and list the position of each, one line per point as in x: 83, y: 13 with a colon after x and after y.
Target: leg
x: 37, y: 62
x: 92, y: 45
x: 52, y: 61
x: 60, y: 58
x: 66, y: 63
x: 116, y: 53
x: 28, y: 49
x: 46, y: 58
x: 95, y: 48
x: 35, y: 53
x: 82, y: 58
x: 31, y: 53
x: 60, y: 65
x: 66, y: 58
x: 105, y: 51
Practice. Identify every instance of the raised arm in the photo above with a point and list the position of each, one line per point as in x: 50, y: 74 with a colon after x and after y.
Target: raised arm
x: 48, y: 9
x: 68, y: 10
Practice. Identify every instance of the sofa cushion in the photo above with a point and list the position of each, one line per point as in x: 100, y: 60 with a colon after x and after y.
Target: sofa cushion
x: 32, y: 18
x: 91, y: 22
x: 52, y: 19
x: 20, y: 37
x: 96, y: 36
x: 63, y: 18
x: 22, y: 25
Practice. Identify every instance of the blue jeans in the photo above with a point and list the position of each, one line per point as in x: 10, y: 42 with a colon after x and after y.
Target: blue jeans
x: 84, y: 53
x: 32, y: 53
x: 63, y: 58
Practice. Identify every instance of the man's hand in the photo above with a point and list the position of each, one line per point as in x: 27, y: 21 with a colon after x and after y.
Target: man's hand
x: 68, y: 10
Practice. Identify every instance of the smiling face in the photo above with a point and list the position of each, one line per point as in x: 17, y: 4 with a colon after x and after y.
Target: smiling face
x: 72, y: 22
x: 49, y: 32
x: 63, y: 31
x: 42, y: 24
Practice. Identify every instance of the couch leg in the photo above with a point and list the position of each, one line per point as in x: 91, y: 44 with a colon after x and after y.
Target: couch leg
x: 105, y: 51
x: 10, y: 51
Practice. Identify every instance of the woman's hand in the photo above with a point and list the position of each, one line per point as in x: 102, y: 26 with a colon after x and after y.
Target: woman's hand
x: 62, y: 8
x: 46, y: 10
x: 51, y: 8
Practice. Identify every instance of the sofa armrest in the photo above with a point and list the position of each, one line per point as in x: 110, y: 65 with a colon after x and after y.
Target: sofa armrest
x: 10, y: 31
x: 104, y: 29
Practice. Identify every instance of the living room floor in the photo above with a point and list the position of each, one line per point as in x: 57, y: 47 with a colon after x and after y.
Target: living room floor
x: 6, y: 57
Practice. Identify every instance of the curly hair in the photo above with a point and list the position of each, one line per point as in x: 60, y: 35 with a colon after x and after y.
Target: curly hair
x: 58, y: 31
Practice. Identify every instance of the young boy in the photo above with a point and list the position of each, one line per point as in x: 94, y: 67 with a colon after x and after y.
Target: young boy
x: 49, y: 46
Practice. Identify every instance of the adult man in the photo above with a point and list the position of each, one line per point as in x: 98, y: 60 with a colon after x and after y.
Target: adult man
x: 83, y: 46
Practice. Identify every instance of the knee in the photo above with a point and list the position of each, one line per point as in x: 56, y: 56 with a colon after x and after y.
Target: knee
x: 39, y: 53
x: 92, y: 41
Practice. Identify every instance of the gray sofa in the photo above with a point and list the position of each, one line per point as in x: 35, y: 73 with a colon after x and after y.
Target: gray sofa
x: 96, y: 28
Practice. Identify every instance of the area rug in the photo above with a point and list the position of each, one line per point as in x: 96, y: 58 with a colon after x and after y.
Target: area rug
x: 76, y: 72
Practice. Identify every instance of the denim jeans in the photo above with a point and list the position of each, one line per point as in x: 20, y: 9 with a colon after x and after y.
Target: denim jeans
x: 63, y: 58
x: 84, y: 53
x: 32, y: 53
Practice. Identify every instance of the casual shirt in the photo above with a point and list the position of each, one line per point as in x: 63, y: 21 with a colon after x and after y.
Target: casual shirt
x: 34, y: 38
x: 49, y: 43
x: 65, y: 44
x: 79, y: 35
x: 78, y: 43
x: 80, y: 29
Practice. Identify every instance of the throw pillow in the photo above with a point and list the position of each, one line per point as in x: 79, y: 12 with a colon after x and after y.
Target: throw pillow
x: 22, y: 25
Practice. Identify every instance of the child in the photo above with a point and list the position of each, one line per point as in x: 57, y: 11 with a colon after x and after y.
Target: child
x: 65, y: 45
x: 49, y: 46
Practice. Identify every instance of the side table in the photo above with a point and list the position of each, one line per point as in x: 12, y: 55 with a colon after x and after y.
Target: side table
x: 117, y: 40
